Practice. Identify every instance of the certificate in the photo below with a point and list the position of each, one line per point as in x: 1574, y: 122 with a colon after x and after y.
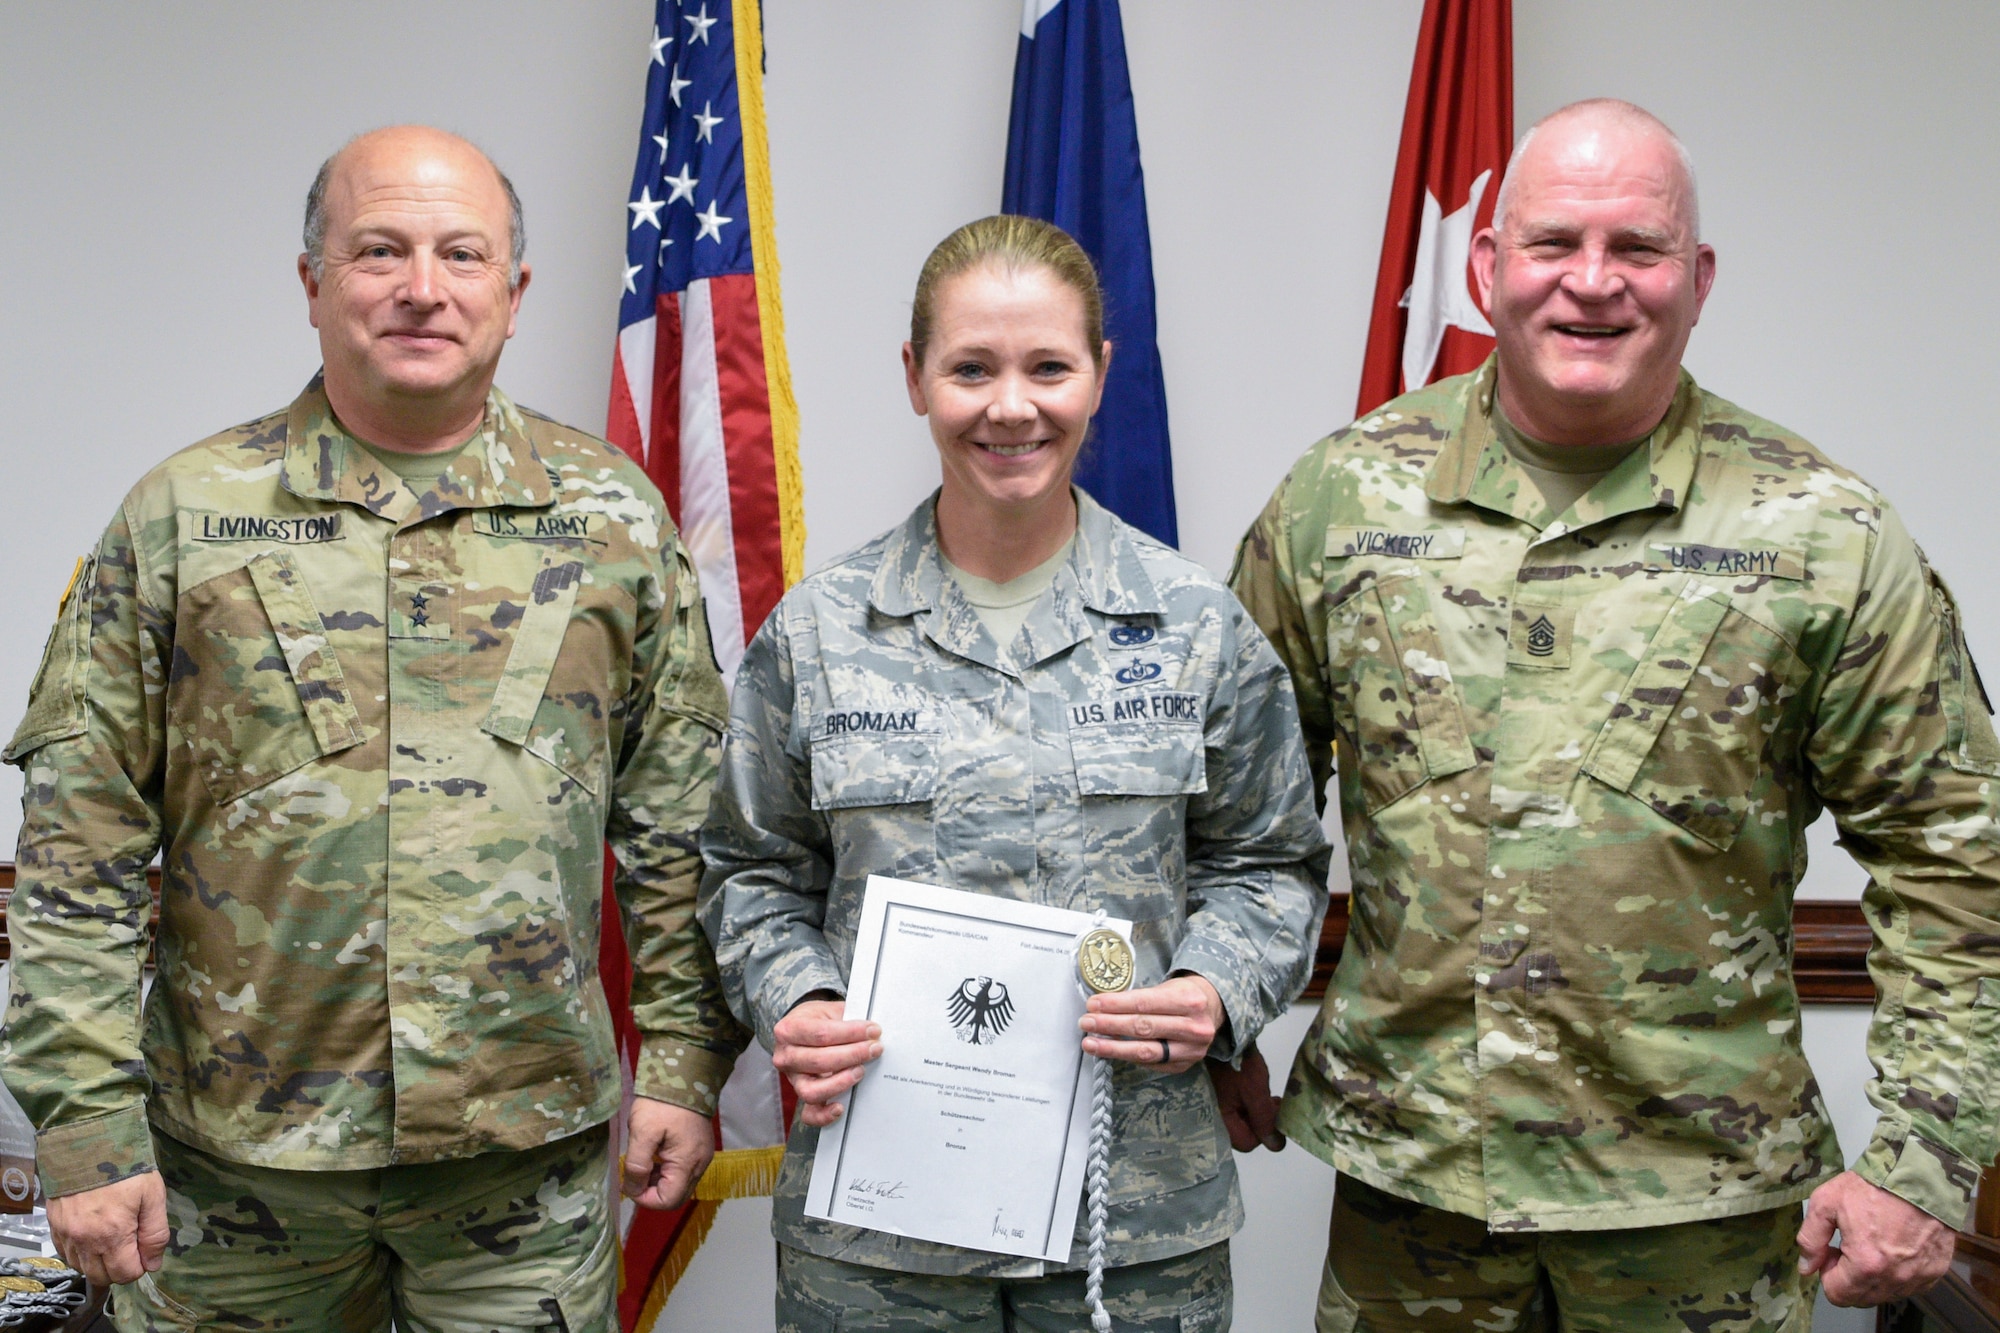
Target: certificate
x: 973, y: 1127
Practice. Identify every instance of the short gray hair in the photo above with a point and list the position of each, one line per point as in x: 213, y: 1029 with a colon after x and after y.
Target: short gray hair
x: 1629, y: 112
x: 315, y: 228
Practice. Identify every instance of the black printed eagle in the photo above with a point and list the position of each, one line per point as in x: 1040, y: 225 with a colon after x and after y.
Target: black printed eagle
x: 979, y: 1009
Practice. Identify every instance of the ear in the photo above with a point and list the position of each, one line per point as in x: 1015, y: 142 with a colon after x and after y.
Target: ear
x: 311, y: 284
x: 1485, y: 254
x: 1103, y: 373
x: 514, y: 297
x: 1704, y: 276
x: 913, y: 380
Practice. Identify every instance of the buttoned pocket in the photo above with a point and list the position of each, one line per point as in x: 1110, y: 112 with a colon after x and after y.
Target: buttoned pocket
x: 531, y: 708
x: 1395, y: 704
x: 256, y: 690
x: 1686, y: 736
x: 1144, y: 745
x: 873, y: 768
x: 1166, y: 1133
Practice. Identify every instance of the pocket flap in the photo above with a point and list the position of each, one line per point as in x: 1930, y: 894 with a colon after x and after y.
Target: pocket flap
x: 873, y: 768
x: 56, y: 703
x: 302, y: 639
x: 1656, y: 685
x: 525, y: 678
x: 1142, y: 755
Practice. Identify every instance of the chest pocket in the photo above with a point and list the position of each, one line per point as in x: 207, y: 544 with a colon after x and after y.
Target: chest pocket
x: 874, y: 756
x: 1687, y: 734
x: 1394, y: 701
x: 1144, y: 760
x: 257, y: 689
x: 563, y: 727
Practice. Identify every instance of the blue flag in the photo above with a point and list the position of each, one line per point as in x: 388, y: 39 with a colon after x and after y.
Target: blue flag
x: 1073, y: 159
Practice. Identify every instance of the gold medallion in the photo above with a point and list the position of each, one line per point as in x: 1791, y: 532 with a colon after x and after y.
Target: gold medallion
x: 43, y: 1261
x: 1105, y: 960
x: 20, y: 1284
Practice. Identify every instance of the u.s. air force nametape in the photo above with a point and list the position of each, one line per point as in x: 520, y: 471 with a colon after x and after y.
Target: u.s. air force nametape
x: 1438, y: 544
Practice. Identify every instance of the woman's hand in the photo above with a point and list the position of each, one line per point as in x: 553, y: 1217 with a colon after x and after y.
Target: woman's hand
x: 823, y: 1055
x: 1167, y: 1027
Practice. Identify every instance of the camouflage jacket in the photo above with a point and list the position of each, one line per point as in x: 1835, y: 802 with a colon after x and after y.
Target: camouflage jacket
x: 1144, y: 758
x: 380, y: 744
x: 1578, y: 754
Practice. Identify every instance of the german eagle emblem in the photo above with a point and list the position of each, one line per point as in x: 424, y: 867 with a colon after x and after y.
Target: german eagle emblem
x: 979, y: 1010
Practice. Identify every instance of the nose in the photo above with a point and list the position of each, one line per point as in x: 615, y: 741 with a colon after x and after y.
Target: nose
x: 420, y: 281
x: 1591, y: 276
x: 1010, y: 404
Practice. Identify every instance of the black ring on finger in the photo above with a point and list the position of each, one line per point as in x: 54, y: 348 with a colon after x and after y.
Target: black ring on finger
x: 1166, y: 1052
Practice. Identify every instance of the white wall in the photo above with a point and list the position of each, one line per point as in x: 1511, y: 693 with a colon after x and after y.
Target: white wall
x: 151, y: 180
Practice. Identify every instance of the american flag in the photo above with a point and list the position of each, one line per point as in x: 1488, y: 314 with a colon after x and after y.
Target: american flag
x: 701, y: 395
x: 700, y: 389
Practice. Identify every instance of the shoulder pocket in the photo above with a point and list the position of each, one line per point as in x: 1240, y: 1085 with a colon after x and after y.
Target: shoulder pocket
x: 1394, y: 700
x: 565, y: 732
x: 1970, y: 744
x: 261, y: 691
x: 1686, y: 736
x: 56, y: 704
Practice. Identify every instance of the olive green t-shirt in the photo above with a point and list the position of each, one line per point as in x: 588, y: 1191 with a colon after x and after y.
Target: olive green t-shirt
x: 420, y: 472
x: 1562, y: 472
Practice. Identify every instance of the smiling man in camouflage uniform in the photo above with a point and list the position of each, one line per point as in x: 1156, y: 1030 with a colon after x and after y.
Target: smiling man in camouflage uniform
x: 378, y: 675
x: 1593, y: 647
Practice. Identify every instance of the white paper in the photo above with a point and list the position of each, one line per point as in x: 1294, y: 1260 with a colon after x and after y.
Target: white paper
x: 974, y: 1126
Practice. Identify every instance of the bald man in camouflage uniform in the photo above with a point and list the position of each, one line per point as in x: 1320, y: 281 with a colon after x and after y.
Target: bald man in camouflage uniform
x: 377, y: 675
x: 1593, y: 647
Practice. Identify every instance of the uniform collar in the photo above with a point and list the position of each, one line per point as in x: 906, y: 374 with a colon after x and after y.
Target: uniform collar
x: 498, y: 468
x: 1104, y: 573
x: 1475, y: 466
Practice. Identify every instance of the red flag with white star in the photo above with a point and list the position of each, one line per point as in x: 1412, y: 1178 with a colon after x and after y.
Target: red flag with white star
x: 1458, y: 128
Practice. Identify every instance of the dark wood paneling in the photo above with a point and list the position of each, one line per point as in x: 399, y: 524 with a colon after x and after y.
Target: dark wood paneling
x: 1830, y: 945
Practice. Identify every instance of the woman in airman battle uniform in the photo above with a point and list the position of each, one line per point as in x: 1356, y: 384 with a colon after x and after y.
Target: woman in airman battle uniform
x: 1015, y: 693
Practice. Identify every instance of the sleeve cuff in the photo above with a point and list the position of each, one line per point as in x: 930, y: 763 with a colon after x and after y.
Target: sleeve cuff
x: 688, y: 1076
x: 102, y: 1150
x: 1926, y: 1174
x: 1243, y: 1017
x: 784, y: 988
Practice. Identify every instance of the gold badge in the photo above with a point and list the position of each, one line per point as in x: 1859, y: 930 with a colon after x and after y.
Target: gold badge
x: 20, y: 1284
x: 1105, y: 960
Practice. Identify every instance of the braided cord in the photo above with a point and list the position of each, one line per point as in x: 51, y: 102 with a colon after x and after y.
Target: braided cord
x: 1097, y: 1176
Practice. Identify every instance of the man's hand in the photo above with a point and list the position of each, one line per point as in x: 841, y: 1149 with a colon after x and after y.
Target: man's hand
x: 1167, y: 1028
x: 1889, y: 1249
x: 823, y: 1055
x: 1248, y: 1109
x: 667, y: 1147
x: 113, y: 1233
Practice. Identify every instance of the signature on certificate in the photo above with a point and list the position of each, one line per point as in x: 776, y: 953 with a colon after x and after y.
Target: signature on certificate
x: 1011, y: 1233
x: 876, y: 1189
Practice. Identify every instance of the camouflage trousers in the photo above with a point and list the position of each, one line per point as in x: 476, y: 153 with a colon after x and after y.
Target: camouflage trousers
x: 1189, y: 1293
x: 1393, y: 1265
x: 500, y: 1242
